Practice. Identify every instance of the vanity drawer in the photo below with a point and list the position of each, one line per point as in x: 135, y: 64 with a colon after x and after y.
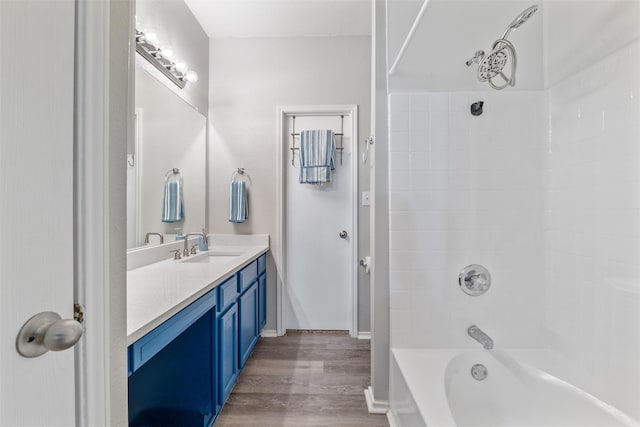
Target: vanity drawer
x: 228, y: 291
x: 247, y: 276
x: 262, y: 264
x: 149, y: 345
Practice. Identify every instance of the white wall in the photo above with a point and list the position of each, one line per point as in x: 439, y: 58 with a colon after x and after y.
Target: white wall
x: 449, y: 33
x: 571, y: 45
x: 248, y: 79
x: 465, y: 190
x: 379, y: 226
x: 592, y: 228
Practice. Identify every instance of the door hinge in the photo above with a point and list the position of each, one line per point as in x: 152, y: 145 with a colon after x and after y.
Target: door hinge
x: 78, y: 312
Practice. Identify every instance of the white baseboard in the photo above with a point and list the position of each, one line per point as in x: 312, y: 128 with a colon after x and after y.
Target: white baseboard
x: 269, y: 333
x: 364, y: 335
x: 375, y: 406
x: 393, y: 422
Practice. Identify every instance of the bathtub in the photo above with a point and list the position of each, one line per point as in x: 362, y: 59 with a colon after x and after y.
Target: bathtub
x: 435, y: 388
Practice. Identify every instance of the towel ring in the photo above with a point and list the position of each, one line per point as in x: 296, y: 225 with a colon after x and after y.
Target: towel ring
x: 171, y: 173
x: 241, y: 172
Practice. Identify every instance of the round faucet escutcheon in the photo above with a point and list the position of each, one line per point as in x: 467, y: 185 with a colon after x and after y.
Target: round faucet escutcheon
x: 474, y: 280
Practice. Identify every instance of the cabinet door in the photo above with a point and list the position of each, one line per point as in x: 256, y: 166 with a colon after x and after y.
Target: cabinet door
x: 248, y: 307
x: 262, y: 301
x: 228, y: 351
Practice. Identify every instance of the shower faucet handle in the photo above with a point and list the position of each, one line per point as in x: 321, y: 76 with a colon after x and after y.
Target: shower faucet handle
x: 474, y: 280
x: 479, y: 282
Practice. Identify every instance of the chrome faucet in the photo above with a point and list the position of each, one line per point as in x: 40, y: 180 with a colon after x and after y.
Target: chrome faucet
x: 146, y: 237
x: 185, y: 251
x: 479, y: 335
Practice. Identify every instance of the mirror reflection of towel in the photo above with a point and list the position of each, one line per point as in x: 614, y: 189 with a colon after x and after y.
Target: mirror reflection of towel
x: 238, y: 202
x: 173, y: 205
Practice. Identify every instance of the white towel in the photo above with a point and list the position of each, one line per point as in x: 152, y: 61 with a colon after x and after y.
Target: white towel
x: 317, y: 156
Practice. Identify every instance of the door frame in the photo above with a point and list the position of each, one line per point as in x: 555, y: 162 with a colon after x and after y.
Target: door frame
x: 103, y: 124
x: 282, y: 150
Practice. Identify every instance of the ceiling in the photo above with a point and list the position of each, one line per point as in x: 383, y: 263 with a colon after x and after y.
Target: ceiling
x: 282, y: 18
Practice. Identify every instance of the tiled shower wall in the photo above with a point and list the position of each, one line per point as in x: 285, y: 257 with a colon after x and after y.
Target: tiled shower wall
x: 592, y: 228
x: 466, y: 190
x: 544, y: 190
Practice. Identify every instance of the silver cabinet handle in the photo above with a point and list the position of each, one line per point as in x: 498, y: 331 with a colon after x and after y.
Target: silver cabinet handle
x: 343, y: 234
x: 47, y: 331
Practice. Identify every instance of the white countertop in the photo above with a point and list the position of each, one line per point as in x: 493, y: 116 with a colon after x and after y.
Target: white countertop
x: 157, y: 291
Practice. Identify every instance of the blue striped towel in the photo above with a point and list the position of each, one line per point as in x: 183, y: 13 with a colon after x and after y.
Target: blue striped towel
x: 317, y: 156
x: 238, y: 202
x: 173, y: 204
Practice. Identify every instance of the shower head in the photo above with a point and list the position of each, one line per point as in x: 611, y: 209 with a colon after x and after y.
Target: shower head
x: 493, y: 64
x: 520, y: 19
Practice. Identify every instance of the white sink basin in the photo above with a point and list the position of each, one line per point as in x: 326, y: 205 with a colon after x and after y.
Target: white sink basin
x: 211, y: 257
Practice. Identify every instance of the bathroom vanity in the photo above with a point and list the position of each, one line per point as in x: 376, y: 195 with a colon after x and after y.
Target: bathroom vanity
x: 192, y: 325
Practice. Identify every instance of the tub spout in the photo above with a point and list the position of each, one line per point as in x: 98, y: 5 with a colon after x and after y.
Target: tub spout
x: 479, y: 335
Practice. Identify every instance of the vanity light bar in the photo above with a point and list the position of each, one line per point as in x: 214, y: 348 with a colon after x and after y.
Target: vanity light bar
x: 162, y: 59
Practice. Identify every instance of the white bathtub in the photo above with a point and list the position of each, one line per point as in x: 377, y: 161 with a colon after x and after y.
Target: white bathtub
x: 434, y: 388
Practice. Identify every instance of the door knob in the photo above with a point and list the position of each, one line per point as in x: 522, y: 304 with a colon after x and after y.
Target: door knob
x: 343, y: 234
x: 47, y: 331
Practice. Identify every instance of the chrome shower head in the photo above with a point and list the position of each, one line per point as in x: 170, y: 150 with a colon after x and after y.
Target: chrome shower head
x: 520, y: 19
x: 524, y: 16
x: 492, y: 64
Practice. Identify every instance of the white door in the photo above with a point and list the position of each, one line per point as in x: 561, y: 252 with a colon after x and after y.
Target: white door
x: 319, y: 274
x: 36, y: 204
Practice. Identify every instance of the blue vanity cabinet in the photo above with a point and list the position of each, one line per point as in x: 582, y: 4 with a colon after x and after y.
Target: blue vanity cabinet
x: 181, y: 372
x: 227, y: 351
x: 262, y: 301
x: 247, y: 276
x: 173, y: 377
x: 262, y: 292
x: 248, y: 308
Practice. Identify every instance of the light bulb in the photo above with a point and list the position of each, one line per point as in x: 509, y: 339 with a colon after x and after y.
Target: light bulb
x: 151, y: 37
x: 168, y: 53
x: 181, y: 66
x: 191, y: 76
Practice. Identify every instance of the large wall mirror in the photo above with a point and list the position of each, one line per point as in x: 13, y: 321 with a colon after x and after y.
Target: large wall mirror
x: 169, y: 145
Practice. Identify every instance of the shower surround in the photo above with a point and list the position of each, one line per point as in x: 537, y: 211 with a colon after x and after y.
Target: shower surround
x: 543, y: 189
x: 466, y: 190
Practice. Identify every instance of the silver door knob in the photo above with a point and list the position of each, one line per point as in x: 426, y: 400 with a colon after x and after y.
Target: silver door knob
x: 343, y: 234
x: 47, y: 331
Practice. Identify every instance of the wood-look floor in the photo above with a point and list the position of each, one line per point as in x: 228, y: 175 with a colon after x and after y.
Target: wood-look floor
x: 303, y: 379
